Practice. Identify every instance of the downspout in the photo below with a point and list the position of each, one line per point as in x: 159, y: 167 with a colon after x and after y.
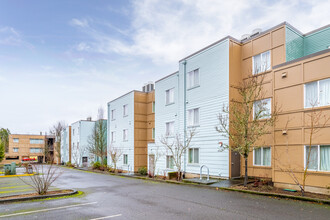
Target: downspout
x: 184, y: 115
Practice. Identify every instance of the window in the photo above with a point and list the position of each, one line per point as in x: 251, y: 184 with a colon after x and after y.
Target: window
x: 153, y: 133
x: 261, y: 156
x: 169, y: 96
x: 113, y: 114
x: 193, y: 155
x: 36, y: 141
x: 72, y: 131
x: 125, y: 110
x: 125, y: 159
x: 317, y: 93
x: 262, y: 109
x: 193, y: 117
x: 125, y: 135
x: 15, y: 149
x: 319, y: 157
x: 16, y: 140
x: 261, y: 62
x: 113, y: 136
x: 35, y: 150
x: 153, y: 107
x: 169, y: 162
x: 193, y: 79
x: 169, y: 128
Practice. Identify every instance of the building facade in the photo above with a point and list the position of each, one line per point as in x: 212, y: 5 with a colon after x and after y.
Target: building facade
x: 80, y: 134
x: 26, y: 147
x: 66, y: 145
x: 130, y: 128
x: 295, y: 67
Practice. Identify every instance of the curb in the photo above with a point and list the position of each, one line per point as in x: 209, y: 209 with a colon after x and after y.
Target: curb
x: 9, y: 176
x: 308, y: 199
x: 37, y: 197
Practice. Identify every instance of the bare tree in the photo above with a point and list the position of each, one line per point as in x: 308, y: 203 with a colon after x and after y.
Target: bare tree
x: 77, y: 154
x: 115, y: 154
x: 157, y: 154
x: 56, y: 130
x: 246, y: 120
x: 44, y: 176
x: 97, y: 141
x: 177, y: 148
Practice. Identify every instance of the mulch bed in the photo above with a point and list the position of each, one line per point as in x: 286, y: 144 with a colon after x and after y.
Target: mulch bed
x: 35, y: 194
x: 271, y: 189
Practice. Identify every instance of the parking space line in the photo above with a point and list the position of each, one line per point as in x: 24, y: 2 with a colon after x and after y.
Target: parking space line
x: 110, y: 216
x: 45, y: 210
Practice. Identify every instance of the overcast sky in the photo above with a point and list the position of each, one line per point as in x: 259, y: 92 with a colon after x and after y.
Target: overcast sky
x: 63, y: 59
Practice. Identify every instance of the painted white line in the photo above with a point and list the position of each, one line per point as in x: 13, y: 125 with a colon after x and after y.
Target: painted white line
x: 110, y: 216
x: 45, y: 210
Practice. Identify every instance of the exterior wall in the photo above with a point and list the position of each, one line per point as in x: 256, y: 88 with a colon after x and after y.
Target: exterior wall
x: 144, y: 121
x: 164, y: 113
x: 289, y: 149
x: 118, y: 125
x: 81, y: 131
x: 274, y: 41
x: 317, y: 41
x: 66, y: 145
x: 211, y: 94
x: 23, y: 146
x: 294, y: 44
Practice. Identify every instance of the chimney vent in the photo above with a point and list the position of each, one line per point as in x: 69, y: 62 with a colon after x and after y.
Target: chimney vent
x: 89, y: 118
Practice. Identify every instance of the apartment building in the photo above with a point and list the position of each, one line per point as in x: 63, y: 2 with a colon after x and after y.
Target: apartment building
x: 296, y: 70
x: 80, y: 134
x: 66, y: 145
x: 131, y: 127
x: 27, y: 147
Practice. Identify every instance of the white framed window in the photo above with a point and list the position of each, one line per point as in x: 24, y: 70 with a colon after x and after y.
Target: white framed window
x: 125, y: 110
x: 193, y: 79
x: 319, y: 157
x: 169, y: 128
x: 193, y: 117
x: 262, y: 109
x: 113, y: 114
x: 262, y: 156
x: 317, y: 93
x: 125, y: 135
x: 36, y: 141
x: 169, y: 162
x: 193, y: 155
x: 261, y: 62
x: 113, y: 136
x: 153, y: 107
x: 16, y: 140
x: 125, y: 159
x: 15, y: 149
x: 153, y: 133
x: 169, y: 96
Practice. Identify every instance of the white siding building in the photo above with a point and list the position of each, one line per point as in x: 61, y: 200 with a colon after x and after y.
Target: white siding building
x: 121, y: 130
x: 201, y: 89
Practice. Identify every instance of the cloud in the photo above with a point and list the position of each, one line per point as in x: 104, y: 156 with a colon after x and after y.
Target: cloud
x: 166, y: 31
x: 9, y: 36
x: 79, y: 22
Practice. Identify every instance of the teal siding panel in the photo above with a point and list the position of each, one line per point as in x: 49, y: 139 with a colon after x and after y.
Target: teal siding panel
x: 316, y: 42
x: 294, y: 44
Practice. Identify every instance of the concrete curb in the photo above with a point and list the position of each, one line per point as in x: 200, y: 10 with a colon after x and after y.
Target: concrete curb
x: 9, y: 176
x: 37, y: 197
x: 308, y: 199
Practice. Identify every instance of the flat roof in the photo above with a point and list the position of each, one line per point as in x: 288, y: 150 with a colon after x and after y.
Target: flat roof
x: 167, y: 76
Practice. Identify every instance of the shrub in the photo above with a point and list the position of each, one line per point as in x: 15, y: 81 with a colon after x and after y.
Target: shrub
x: 69, y: 164
x: 143, y: 171
x: 105, y: 162
x: 96, y: 165
x: 111, y: 169
x: 172, y: 175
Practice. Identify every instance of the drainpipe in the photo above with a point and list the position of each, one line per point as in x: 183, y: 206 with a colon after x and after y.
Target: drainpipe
x: 184, y: 115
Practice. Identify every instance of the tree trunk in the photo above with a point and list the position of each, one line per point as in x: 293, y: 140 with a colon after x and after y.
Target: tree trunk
x: 246, y: 172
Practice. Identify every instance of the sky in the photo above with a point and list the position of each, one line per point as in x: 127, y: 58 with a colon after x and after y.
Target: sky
x: 62, y: 60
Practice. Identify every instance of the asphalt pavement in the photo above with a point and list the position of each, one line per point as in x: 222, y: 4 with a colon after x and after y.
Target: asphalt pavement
x: 113, y: 197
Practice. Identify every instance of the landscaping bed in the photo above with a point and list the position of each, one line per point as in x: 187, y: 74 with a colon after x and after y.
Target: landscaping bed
x: 30, y: 196
x: 275, y: 190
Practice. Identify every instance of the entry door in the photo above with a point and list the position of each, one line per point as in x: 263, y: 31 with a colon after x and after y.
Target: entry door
x: 85, y: 161
x: 151, y: 164
x: 235, y: 164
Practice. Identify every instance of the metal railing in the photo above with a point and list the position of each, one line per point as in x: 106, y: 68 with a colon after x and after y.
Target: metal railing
x: 201, y: 170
